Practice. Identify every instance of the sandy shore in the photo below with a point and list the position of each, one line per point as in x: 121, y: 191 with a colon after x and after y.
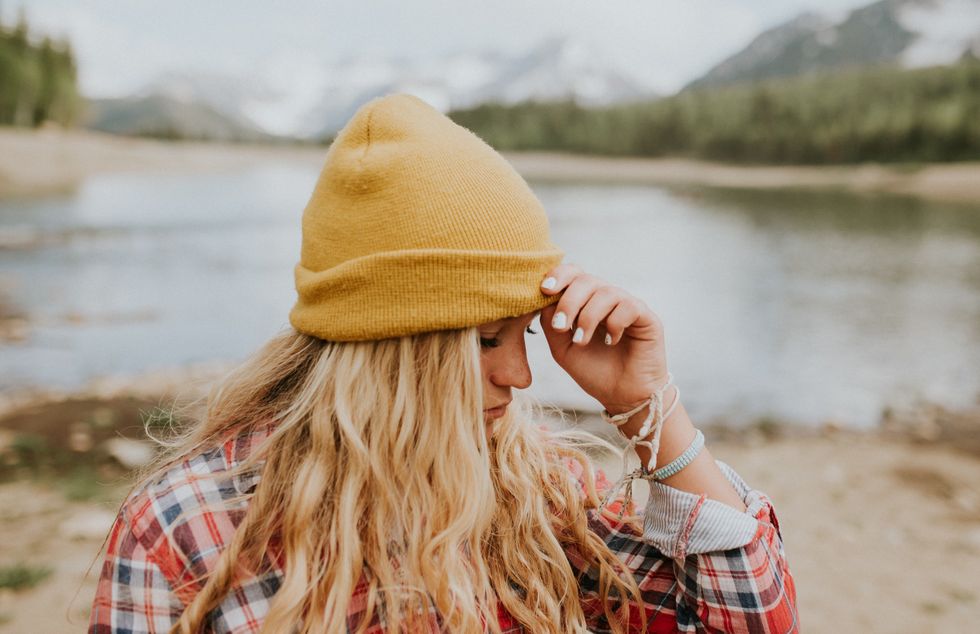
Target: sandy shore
x: 52, y: 160
x: 953, y: 182
x: 882, y: 528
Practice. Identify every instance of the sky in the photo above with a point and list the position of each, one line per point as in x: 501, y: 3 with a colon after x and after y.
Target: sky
x: 122, y: 45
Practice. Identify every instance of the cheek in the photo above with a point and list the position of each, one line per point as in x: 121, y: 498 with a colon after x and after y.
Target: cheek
x: 487, y: 364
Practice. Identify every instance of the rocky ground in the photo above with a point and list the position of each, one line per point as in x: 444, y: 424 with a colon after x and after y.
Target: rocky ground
x: 882, y: 528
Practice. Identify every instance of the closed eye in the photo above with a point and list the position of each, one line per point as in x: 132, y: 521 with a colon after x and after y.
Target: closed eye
x: 493, y: 342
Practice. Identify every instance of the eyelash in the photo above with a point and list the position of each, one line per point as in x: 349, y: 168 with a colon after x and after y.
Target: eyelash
x: 494, y: 342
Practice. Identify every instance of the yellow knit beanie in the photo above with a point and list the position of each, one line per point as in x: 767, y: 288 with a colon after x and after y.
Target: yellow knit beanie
x: 417, y: 224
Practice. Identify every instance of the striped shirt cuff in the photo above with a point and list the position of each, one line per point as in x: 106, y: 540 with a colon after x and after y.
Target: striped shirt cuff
x: 680, y: 523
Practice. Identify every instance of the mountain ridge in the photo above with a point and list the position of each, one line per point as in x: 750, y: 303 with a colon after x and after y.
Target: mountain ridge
x: 909, y: 33
x: 296, y: 98
x: 559, y: 68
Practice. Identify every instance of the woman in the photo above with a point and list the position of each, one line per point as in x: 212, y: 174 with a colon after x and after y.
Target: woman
x: 371, y: 468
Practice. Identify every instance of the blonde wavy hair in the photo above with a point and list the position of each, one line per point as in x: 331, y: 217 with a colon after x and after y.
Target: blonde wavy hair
x: 380, y: 465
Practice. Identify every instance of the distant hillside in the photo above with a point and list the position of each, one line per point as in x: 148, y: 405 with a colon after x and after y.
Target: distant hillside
x: 908, y: 33
x: 168, y: 118
x: 280, y: 104
x: 883, y: 115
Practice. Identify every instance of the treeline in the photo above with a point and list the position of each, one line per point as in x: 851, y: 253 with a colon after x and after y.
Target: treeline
x: 38, y: 81
x: 881, y: 114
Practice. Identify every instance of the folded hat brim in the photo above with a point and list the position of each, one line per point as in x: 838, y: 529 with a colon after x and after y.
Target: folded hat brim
x: 398, y: 293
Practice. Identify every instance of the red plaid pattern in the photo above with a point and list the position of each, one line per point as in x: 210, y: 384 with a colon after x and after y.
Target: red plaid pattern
x: 155, y: 555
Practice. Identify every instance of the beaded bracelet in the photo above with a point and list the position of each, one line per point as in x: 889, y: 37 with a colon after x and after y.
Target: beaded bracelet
x: 680, y: 461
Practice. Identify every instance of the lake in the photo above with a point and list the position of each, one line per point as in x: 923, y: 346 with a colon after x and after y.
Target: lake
x: 795, y: 305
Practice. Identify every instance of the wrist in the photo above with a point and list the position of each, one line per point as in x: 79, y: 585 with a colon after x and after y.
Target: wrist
x: 622, y: 405
x: 632, y: 426
x: 678, y: 432
x: 616, y: 408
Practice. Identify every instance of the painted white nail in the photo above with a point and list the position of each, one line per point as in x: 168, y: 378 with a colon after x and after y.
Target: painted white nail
x: 558, y: 321
x: 579, y: 335
x: 549, y: 283
x: 608, y: 339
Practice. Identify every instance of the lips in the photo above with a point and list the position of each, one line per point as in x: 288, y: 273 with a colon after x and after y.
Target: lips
x: 498, y: 410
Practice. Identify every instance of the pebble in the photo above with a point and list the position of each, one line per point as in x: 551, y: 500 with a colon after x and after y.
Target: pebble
x: 129, y: 453
x: 833, y: 473
x: 966, y: 501
x: 894, y: 536
x: 80, y: 437
x: 973, y: 538
x: 90, y: 524
x: 830, y: 428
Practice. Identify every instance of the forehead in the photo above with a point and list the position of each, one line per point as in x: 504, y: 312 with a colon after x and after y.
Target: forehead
x: 520, y: 319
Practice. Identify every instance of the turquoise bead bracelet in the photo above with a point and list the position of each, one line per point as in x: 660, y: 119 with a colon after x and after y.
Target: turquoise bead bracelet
x: 680, y: 461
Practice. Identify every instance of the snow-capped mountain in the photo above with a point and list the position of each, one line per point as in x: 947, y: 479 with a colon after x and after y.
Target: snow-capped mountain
x: 911, y: 33
x: 292, y: 97
x: 763, y: 55
x: 944, y: 31
x: 557, y: 69
x: 443, y: 82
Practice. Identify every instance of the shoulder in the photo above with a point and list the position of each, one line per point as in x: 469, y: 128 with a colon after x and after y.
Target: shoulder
x: 167, y: 497
x: 183, y: 516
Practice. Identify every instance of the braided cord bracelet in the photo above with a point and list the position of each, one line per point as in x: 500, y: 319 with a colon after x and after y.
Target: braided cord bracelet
x: 652, y: 424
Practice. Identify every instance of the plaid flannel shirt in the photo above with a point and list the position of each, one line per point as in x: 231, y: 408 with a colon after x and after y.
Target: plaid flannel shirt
x: 701, y: 565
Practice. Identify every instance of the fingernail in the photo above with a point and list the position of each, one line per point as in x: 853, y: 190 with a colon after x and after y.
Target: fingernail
x: 608, y: 339
x: 549, y: 283
x: 558, y: 321
x: 579, y: 335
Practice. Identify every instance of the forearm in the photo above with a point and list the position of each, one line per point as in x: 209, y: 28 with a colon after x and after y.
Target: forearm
x: 702, y: 475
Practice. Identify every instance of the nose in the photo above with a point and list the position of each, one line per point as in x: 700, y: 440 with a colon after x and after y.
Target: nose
x: 512, y: 371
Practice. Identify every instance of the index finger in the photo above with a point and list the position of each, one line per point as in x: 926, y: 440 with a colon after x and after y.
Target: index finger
x: 559, y: 277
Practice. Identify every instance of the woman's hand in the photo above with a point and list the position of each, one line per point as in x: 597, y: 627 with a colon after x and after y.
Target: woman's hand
x: 622, y: 373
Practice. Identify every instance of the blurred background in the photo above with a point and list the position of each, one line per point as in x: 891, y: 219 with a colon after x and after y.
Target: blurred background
x: 793, y: 185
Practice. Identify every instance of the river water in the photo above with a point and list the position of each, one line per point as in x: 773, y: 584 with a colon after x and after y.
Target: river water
x: 795, y: 305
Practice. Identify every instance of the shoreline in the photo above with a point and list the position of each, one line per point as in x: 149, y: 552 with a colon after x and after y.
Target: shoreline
x: 857, y: 509
x: 957, y: 183
x: 922, y: 423
x: 50, y: 161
